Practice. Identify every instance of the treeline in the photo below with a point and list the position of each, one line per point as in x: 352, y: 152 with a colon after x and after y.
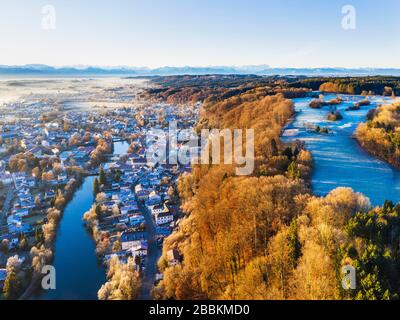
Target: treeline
x: 376, y: 85
x: 193, y: 89
x: 380, y: 135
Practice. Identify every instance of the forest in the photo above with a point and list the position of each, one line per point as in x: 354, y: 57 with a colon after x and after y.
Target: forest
x: 374, y: 85
x: 380, y: 135
x: 213, y: 88
x: 266, y: 236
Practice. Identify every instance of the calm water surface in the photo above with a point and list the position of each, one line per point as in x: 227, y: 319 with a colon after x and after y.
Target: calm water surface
x: 79, y: 275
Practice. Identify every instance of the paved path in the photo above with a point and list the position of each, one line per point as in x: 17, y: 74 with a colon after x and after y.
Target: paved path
x: 153, y: 254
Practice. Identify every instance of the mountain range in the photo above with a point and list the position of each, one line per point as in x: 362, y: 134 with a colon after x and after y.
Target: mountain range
x: 45, y: 70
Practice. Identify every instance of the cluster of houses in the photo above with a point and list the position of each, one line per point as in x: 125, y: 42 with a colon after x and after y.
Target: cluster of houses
x: 125, y: 218
x: 136, y: 190
x: 23, y: 205
x: 27, y: 196
x: 28, y: 205
x: 136, y: 197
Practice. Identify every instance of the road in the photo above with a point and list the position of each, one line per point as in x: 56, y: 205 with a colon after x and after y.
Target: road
x: 153, y: 254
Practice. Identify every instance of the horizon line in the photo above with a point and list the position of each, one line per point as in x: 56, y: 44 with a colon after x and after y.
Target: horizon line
x: 83, y: 66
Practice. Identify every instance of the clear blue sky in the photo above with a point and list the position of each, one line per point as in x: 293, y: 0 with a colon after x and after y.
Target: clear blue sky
x: 280, y: 33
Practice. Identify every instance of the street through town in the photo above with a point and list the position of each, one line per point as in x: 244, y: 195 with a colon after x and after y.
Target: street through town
x: 153, y: 254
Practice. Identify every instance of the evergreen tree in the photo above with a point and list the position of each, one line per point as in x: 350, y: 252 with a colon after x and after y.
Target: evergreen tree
x: 98, y: 210
x: 53, y: 201
x: 294, y: 244
x: 137, y: 260
x: 274, y: 148
x: 171, y: 192
x: 38, y: 237
x: 96, y: 187
x: 293, y: 172
x: 102, y: 177
x: 117, y: 176
x: 376, y: 261
x: 288, y: 153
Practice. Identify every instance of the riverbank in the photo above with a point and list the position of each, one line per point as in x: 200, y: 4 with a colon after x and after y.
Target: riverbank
x: 380, y: 136
x: 43, y: 253
x: 77, y: 275
x: 339, y: 161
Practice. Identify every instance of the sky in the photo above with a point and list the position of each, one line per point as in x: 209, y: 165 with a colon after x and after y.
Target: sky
x: 155, y: 33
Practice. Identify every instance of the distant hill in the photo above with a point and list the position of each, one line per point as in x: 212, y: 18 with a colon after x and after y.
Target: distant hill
x: 44, y: 70
x: 38, y: 70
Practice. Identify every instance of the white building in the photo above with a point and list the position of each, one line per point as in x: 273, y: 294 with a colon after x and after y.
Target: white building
x: 164, y: 218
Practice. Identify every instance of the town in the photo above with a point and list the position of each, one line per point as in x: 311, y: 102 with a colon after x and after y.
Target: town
x: 47, y: 152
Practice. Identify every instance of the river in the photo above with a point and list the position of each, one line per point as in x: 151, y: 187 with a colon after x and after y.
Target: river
x: 338, y: 162
x: 78, y: 273
x: 338, y: 159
